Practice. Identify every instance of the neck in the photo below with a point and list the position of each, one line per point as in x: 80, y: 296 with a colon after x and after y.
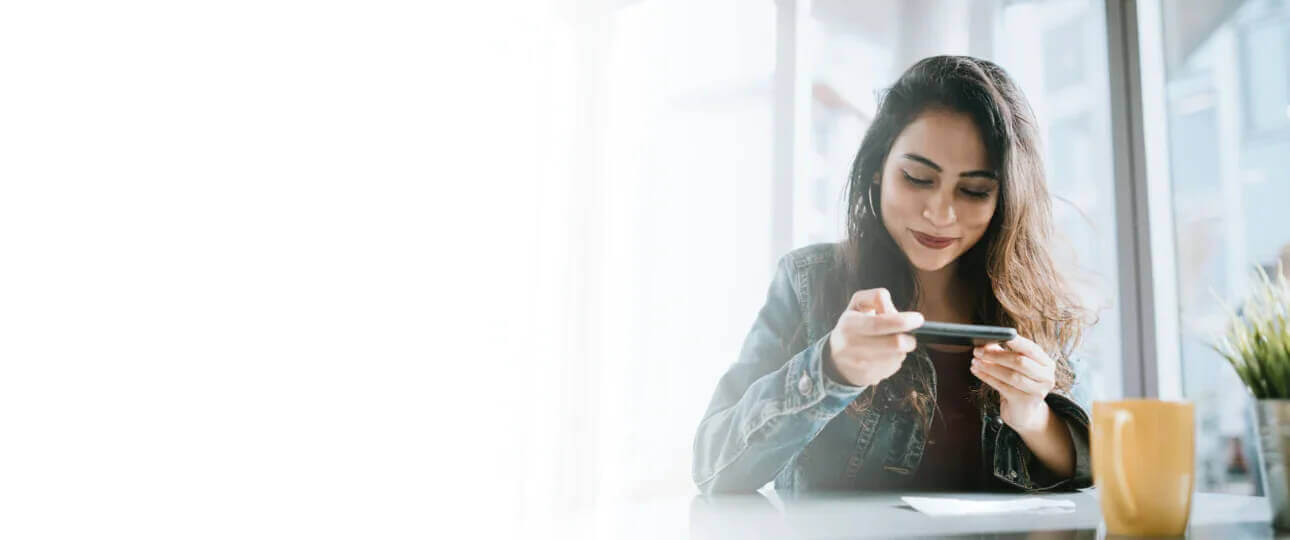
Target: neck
x: 944, y: 298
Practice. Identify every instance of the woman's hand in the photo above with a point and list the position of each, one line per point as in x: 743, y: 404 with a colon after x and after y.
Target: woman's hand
x: 869, y: 342
x: 1023, y: 376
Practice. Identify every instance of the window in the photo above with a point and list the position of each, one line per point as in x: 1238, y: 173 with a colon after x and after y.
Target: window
x: 689, y: 208
x: 684, y: 212
x: 1228, y: 108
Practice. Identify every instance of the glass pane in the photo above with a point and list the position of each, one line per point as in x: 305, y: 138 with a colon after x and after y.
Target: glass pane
x: 1057, y: 53
x: 1228, y: 107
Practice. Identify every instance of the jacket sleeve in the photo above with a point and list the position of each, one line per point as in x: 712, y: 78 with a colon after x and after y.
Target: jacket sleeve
x: 1017, y: 465
x: 771, y: 402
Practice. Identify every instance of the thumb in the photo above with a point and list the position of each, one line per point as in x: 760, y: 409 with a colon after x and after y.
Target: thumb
x: 872, y: 301
x: 886, y: 305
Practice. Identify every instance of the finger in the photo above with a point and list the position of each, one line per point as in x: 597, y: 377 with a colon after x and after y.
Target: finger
x: 887, y: 305
x: 1007, y: 390
x: 906, y: 343
x: 877, y: 300
x: 1016, y: 378
x: 852, y: 319
x: 903, y: 343
x: 1010, y: 377
x: 994, y: 347
x: 1029, y: 352
x: 890, y: 323
x: 851, y: 324
x: 990, y: 350
x: 1030, y: 349
x: 1026, y: 365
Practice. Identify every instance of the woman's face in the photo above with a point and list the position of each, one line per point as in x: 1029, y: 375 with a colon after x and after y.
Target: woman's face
x: 938, y: 192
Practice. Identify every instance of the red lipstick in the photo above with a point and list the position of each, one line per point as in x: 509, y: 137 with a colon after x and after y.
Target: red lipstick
x: 933, y: 242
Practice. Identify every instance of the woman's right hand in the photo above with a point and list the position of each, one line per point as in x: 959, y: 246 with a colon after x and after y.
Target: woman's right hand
x: 870, y: 341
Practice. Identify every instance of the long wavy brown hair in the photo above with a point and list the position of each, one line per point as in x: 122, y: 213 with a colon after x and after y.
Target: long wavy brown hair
x: 1012, y: 260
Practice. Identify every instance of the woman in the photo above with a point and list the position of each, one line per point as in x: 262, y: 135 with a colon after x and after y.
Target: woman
x: 949, y: 220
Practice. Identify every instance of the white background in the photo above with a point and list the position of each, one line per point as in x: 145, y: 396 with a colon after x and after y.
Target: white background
x: 262, y: 264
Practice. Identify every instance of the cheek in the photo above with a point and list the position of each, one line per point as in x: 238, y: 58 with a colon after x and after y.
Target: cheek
x: 897, y: 200
x: 976, y: 218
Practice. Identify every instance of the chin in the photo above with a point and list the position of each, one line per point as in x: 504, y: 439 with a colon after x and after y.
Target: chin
x: 930, y: 265
x: 928, y: 268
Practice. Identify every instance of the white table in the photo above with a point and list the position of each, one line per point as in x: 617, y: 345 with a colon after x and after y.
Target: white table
x: 770, y: 515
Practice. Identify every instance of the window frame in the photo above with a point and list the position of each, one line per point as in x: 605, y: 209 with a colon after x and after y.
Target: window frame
x: 1150, y: 337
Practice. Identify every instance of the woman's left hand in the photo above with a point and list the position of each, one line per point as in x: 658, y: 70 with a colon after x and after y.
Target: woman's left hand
x: 1023, y: 376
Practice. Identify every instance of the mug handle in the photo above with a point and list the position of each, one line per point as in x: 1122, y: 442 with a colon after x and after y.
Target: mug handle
x: 1122, y: 420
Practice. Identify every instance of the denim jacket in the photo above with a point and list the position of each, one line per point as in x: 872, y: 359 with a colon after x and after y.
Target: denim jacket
x: 776, y: 415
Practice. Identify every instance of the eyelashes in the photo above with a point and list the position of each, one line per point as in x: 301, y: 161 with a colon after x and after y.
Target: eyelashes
x: 916, y: 181
x: 921, y: 182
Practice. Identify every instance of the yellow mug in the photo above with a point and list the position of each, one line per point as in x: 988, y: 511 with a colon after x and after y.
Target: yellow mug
x: 1144, y: 465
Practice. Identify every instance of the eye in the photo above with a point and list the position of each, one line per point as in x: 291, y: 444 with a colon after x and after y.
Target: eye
x: 915, y: 181
x: 976, y: 194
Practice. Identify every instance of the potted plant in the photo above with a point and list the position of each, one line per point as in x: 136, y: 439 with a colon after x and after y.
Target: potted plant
x: 1257, y: 345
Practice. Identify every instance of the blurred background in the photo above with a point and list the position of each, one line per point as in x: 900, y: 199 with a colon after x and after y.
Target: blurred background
x: 714, y: 136
x: 716, y: 163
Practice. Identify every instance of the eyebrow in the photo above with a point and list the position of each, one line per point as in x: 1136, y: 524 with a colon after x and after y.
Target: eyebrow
x: 980, y: 173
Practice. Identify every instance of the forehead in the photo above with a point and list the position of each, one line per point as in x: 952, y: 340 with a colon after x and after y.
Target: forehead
x: 948, y: 138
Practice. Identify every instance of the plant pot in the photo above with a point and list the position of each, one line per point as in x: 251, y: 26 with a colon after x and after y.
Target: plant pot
x: 1274, y: 454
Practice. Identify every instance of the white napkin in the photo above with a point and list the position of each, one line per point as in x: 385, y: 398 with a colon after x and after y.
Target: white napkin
x: 945, y: 506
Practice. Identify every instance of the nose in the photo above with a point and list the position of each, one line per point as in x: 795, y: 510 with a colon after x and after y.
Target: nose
x: 939, y: 211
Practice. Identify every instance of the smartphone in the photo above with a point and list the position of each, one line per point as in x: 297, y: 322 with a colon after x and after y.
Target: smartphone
x: 962, y: 334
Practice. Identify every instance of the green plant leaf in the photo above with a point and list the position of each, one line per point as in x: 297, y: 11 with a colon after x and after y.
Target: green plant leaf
x: 1256, y: 342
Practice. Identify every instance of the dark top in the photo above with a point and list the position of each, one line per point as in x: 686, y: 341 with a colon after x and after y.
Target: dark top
x: 952, y: 457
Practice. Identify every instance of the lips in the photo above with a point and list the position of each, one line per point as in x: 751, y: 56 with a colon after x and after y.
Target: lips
x: 933, y: 242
